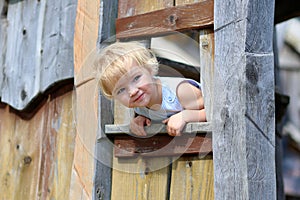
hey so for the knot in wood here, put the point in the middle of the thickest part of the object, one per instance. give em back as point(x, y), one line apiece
point(23, 95)
point(24, 31)
point(27, 160)
point(172, 19)
point(100, 194)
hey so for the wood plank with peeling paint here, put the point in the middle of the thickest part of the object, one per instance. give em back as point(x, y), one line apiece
point(37, 153)
point(39, 50)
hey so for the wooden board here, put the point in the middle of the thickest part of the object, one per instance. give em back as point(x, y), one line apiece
point(137, 179)
point(183, 2)
point(190, 128)
point(56, 165)
point(136, 7)
point(206, 46)
point(3, 38)
point(85, 43)
point(39, 50)
point(192, 178)
point(8, 150)
point(244, 114)
point(166, 20)
point(37, 154)
point(162, 145)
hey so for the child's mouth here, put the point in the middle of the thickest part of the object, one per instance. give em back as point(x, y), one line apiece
point(140, 97)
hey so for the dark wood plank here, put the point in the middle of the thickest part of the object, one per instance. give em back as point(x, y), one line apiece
point(244, 104)
point(179, 18)
point(162, 145)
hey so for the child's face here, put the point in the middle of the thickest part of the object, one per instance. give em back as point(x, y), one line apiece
point(135, 88)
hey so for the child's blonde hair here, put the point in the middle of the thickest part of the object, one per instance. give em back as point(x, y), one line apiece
point(112, 60)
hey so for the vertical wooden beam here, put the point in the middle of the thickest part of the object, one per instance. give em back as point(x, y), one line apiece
point(85, 40)
point(3, 39)
point(103, 150)
point(206, 41)
point(244, 110)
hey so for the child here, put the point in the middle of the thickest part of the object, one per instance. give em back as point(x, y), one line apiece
point(127, 74)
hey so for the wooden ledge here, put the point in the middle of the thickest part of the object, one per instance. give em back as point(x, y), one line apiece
point(162, 145)
point(177, 18)
point(190, 128)
point(196, 139)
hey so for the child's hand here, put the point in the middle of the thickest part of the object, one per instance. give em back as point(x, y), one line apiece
point(137, 125)
point(175, 124)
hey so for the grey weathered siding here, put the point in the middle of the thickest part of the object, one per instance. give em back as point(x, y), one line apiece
point(243, 114)
point(39, 51)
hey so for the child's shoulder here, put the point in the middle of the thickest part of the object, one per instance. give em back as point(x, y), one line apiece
point(174, 82)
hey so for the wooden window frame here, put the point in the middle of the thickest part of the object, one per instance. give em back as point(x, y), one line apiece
point(170, 20)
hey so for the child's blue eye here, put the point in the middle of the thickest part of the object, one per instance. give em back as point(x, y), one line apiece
point(136, 78)
point(120, 91)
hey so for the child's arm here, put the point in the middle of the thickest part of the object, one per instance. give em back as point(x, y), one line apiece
point(191, 99)
point(137, 125)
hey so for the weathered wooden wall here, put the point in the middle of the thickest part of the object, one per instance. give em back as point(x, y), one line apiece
point(85, 41)
point(244, 107)
point(36, 154)
point(36, 48)
point(37, 138)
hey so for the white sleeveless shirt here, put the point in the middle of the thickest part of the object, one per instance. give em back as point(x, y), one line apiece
point(170, 103)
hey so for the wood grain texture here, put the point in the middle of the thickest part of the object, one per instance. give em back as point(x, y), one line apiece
point(61, 125)
point(39, 49)
point(136, 7)
point(37, 159)
point(85, 41)
point(162, 145)
point(3, 39)
point(86, 35)
point(84, 154)
point(192, 178)
point(166, 20)
point(8, 152)
point(243, 109)
point(183, 2)
point(137, 179)
point(206, 46)
point(190, 128)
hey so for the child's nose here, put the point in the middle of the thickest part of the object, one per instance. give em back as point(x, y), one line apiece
point(133, 91)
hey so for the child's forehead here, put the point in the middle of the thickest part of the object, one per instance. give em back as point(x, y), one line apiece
point(133, 70)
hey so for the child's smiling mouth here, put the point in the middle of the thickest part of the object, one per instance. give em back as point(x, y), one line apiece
point(139, 98)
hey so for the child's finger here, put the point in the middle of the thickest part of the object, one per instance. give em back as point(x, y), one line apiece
point(148, 122)
point(165, 121)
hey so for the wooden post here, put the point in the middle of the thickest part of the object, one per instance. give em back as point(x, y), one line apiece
point(244, 110)
point(103, 151)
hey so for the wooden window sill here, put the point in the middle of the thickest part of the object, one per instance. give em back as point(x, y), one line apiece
point(196, 139)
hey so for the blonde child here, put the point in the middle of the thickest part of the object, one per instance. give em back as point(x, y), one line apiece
point(127, 74)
